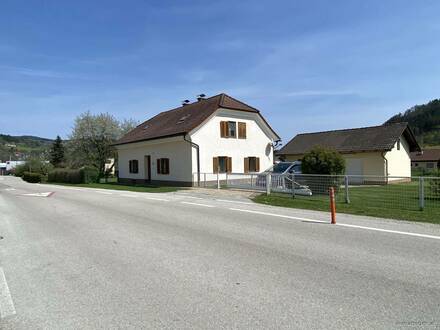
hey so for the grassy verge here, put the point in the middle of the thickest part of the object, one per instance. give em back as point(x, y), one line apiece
point(398, 201)
point(117, 186)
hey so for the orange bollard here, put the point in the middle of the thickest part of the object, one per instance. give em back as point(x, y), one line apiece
point(332, 205)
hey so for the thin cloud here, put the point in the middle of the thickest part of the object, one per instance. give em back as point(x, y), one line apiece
point(42, 73)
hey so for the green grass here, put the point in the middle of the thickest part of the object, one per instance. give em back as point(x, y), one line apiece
point(117, 186)
point(394, 201)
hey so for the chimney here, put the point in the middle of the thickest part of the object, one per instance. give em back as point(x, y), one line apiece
point(201, 97)
point(185, 102)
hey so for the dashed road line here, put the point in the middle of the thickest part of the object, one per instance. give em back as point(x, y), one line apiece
point(156, 199)
point(236, 202)
point(6, 304)
point(104, 192)
point(127, 195)
point(197, 204)
point(278, 215)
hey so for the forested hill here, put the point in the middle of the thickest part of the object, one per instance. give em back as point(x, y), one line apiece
point(424, 121)
point(23, 147)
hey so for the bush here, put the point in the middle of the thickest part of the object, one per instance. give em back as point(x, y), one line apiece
point(321, 160)
point(62, 175)
point(32, 177)
point(434, 185)
point(34, 166)
point(89, 174)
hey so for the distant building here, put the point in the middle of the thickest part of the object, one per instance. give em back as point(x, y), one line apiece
point(2, 168)
point(382, 151)
point(427, 159)
point(12, 164)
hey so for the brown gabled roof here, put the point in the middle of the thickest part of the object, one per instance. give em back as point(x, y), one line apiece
point(376, 138)
point(427, 155)
point(182, 120)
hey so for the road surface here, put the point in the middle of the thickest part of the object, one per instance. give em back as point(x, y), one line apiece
point(79, 258)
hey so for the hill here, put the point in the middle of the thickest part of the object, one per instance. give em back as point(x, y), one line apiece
point(23, 147)
point(424, 120)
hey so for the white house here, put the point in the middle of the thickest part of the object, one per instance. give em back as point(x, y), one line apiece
point(177, 147)
point(382, 151)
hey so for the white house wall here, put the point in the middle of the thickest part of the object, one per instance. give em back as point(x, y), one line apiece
point(258, 142)
point(399, 161)
point(175, 149)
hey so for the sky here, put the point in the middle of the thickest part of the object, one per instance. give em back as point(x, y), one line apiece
point(306, 65)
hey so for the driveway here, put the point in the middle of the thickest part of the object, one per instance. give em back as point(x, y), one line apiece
point(79, 258)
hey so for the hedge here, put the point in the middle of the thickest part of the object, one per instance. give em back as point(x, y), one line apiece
point(85, 174)
point(62, 175)
point(31, 177)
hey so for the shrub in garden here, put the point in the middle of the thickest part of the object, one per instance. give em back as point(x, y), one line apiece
point(31, 177)
point(328, 163)
point(434, 185)
point(89, 174)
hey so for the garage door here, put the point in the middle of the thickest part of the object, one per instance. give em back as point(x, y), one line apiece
point(353, 166)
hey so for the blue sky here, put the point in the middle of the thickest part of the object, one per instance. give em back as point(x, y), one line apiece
point(307, 65)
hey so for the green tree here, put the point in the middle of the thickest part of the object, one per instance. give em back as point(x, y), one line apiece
point(92, 138)
point(56, 153)
point(322, 160)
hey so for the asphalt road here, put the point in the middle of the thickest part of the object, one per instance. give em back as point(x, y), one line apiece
point(88, 258)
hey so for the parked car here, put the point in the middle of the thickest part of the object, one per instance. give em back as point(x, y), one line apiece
point(281, 177)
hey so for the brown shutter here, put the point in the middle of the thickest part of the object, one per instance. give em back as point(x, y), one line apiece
point(223, 129)
point(257, 164)
point(215, 165)
point(241, 130)
point(167, 166)
point(229, 165)
point(158, 166)
point(246, 165)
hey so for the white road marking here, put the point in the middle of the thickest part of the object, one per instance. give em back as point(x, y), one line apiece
point(237, 202)
point(156, 199)
point(389, 231)
point(127, 195)
point(9, 189)
point(197, 204)
point(6, 304)
point(193, 197)
point(278, 215)
point(41, 194)
point(341, 224)
point(104, 192)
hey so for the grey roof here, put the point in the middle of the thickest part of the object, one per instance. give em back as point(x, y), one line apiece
point(365, 139)
point(184, 119)
point(426, 155)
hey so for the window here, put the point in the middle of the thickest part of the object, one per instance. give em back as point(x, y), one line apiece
point(133, 166)
point(429, 165)
point(228, 129)
point(222, 164)
point(398, 144)
point(251, 164)
point(163, 166)
point(241, 130)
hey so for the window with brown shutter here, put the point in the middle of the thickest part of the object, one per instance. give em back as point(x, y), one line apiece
point(252, 164)
point(241, 130)
point(222, 164)
point(133, 166)
point(163, 166)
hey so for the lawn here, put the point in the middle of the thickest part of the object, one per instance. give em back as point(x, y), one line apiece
point(117, 186)
point(395, 201)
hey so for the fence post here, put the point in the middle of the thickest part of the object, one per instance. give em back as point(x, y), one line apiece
point(332, 205)
point(347, 196)
point(226, 183)
point(218, 181)
point(422, 193)
point(293, 184)
point(204, 180)
point(268, 183)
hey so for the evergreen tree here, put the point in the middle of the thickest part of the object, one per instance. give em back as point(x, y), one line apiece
point(57, 152)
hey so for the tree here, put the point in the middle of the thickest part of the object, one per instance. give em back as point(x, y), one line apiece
point(56, 153)
point(322, 160)
point(92, 138)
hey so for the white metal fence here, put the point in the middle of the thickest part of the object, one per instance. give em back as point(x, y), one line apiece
point(407, 193)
